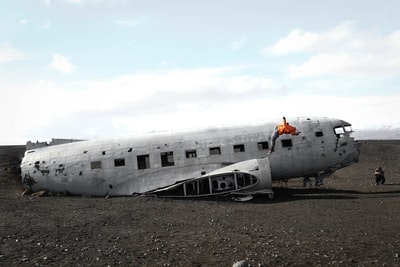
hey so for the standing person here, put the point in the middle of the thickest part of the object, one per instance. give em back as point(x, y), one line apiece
point(280, 129)
point(379, 176)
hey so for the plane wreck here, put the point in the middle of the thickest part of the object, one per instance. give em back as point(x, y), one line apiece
point(220, 161)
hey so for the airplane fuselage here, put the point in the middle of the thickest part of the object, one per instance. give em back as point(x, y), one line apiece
point(141, 164)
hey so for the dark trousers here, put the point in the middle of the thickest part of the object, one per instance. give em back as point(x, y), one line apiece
point(379, 178)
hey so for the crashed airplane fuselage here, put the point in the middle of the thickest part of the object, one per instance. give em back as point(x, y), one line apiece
point(217, 161)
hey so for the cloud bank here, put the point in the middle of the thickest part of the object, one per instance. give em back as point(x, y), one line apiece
point(341, 50)
point(9, 53)
point(61, 64)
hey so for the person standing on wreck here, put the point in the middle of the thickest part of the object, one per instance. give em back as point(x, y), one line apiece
point(280, 129)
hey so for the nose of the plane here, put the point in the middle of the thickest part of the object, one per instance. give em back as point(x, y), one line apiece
point(356, 150)
point(355, 153)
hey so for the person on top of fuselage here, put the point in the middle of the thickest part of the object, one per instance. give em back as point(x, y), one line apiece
point(280, 129)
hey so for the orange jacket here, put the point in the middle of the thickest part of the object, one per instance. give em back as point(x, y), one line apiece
point(285, 128)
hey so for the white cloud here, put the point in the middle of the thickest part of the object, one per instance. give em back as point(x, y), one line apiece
point(364, 112)
point(8, 53)
point(324, 64)
point(237, 44)
point(173, 100)
point(180, 86)
point(62, 64)
point(140, 102)
point(340, 37)
point(340, 50)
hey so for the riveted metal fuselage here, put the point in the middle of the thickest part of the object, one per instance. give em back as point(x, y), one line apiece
point(140, 164)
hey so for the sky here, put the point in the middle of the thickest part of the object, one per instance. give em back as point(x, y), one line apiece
point(90, 69)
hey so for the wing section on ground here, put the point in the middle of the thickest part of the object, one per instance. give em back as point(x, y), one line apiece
point(245, 177)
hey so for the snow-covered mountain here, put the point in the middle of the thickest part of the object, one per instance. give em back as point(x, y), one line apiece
point(387, 132)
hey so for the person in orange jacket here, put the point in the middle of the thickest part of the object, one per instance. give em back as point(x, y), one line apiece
point(280, 129)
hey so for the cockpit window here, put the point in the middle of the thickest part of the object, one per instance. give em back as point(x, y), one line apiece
point(348, 129)
point(340, 131)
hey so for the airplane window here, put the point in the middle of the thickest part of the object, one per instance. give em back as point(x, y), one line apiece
point(262, 145)
point(348, 129)
point(238, 148)
point(339, 131)
point(215, 150)
point(143, 162)
point(95, 165)
point(119, 162)
point(167, 159)
point(191, 154)
point(287, 143)
point(319, 134)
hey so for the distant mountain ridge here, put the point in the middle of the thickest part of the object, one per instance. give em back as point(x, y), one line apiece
point(386, 132)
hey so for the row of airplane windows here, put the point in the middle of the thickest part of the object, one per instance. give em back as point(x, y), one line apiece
point(167, 158)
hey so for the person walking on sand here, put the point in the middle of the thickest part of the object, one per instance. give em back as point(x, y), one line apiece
point(379, 176)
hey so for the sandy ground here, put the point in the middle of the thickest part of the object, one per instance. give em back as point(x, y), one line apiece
point(347, 222)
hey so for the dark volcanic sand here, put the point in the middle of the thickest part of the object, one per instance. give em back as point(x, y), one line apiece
point(347, 222)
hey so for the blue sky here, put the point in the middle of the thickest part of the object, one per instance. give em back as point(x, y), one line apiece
point(108, 68)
